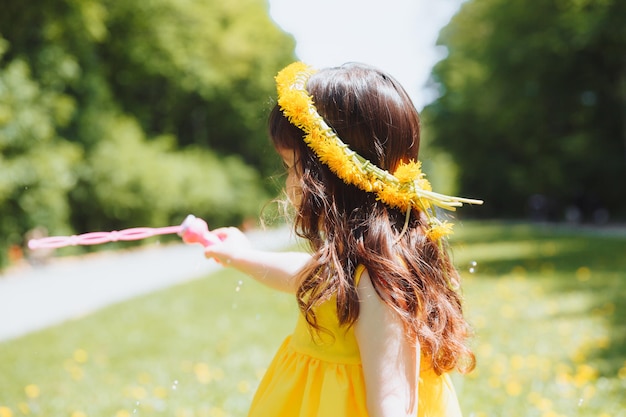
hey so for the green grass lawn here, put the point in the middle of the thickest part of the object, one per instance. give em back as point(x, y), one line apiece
point(548, 306)
point(549, 309)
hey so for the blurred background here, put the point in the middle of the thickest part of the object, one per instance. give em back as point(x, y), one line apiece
point(116, 114)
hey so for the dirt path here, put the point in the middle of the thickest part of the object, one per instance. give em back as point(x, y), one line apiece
point(32, 298)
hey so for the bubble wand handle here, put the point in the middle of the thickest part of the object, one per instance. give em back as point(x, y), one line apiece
point(195, 230)
point(192, 230)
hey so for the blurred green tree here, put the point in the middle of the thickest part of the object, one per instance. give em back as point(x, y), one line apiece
point(116, 113)
point(36, 166)
point(532, 105)
point(200, 70)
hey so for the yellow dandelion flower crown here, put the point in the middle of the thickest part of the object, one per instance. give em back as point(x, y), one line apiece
point(405, 189)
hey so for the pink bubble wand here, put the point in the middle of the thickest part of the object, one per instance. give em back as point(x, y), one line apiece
point(192, 230)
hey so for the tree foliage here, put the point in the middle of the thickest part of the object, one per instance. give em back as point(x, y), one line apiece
point(117, 113)
point(36, 166)
point(532, 103)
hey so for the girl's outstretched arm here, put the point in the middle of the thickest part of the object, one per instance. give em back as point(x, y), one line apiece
point(274, 269)
point(390, 361)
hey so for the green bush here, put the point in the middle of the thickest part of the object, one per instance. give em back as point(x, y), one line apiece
point(37, 167)
point(149, 182)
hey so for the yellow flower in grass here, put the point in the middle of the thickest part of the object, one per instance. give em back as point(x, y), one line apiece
point(583, 273)
point(144, 378)
point(24, 408)
point(203, 373)
point(76, 372)
point(494, 381)
point(517, 362)
point(80, 356)
point(513, 388)
point(32, 391)
point(5, 411)
point(534, 397)
point(217, 412)
point(243, 386)
point(184, 412)
point(544, 404)
point(585, 374)
point(135, 392)
point(160, 392)
point(589, 392)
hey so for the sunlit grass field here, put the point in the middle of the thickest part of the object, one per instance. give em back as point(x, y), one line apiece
point(548, 306)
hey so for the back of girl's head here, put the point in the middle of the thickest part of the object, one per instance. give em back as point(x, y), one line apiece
point(370, 111)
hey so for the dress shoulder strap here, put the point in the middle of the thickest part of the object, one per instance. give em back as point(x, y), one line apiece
point(357, 274)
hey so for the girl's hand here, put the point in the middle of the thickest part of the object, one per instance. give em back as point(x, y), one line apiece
point(274, 269)
point(233, 243)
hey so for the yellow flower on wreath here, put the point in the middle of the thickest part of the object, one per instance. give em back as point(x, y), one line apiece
point(410, 171)
point(439, 230)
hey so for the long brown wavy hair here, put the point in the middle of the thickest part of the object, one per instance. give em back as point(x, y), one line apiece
point(345, 227)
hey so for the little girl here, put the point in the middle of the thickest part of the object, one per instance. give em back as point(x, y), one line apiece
point(381, 322)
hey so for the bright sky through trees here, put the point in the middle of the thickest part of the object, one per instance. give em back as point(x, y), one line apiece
point(397, 36)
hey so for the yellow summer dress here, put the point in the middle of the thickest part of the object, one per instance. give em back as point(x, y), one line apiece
point(323, 377)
